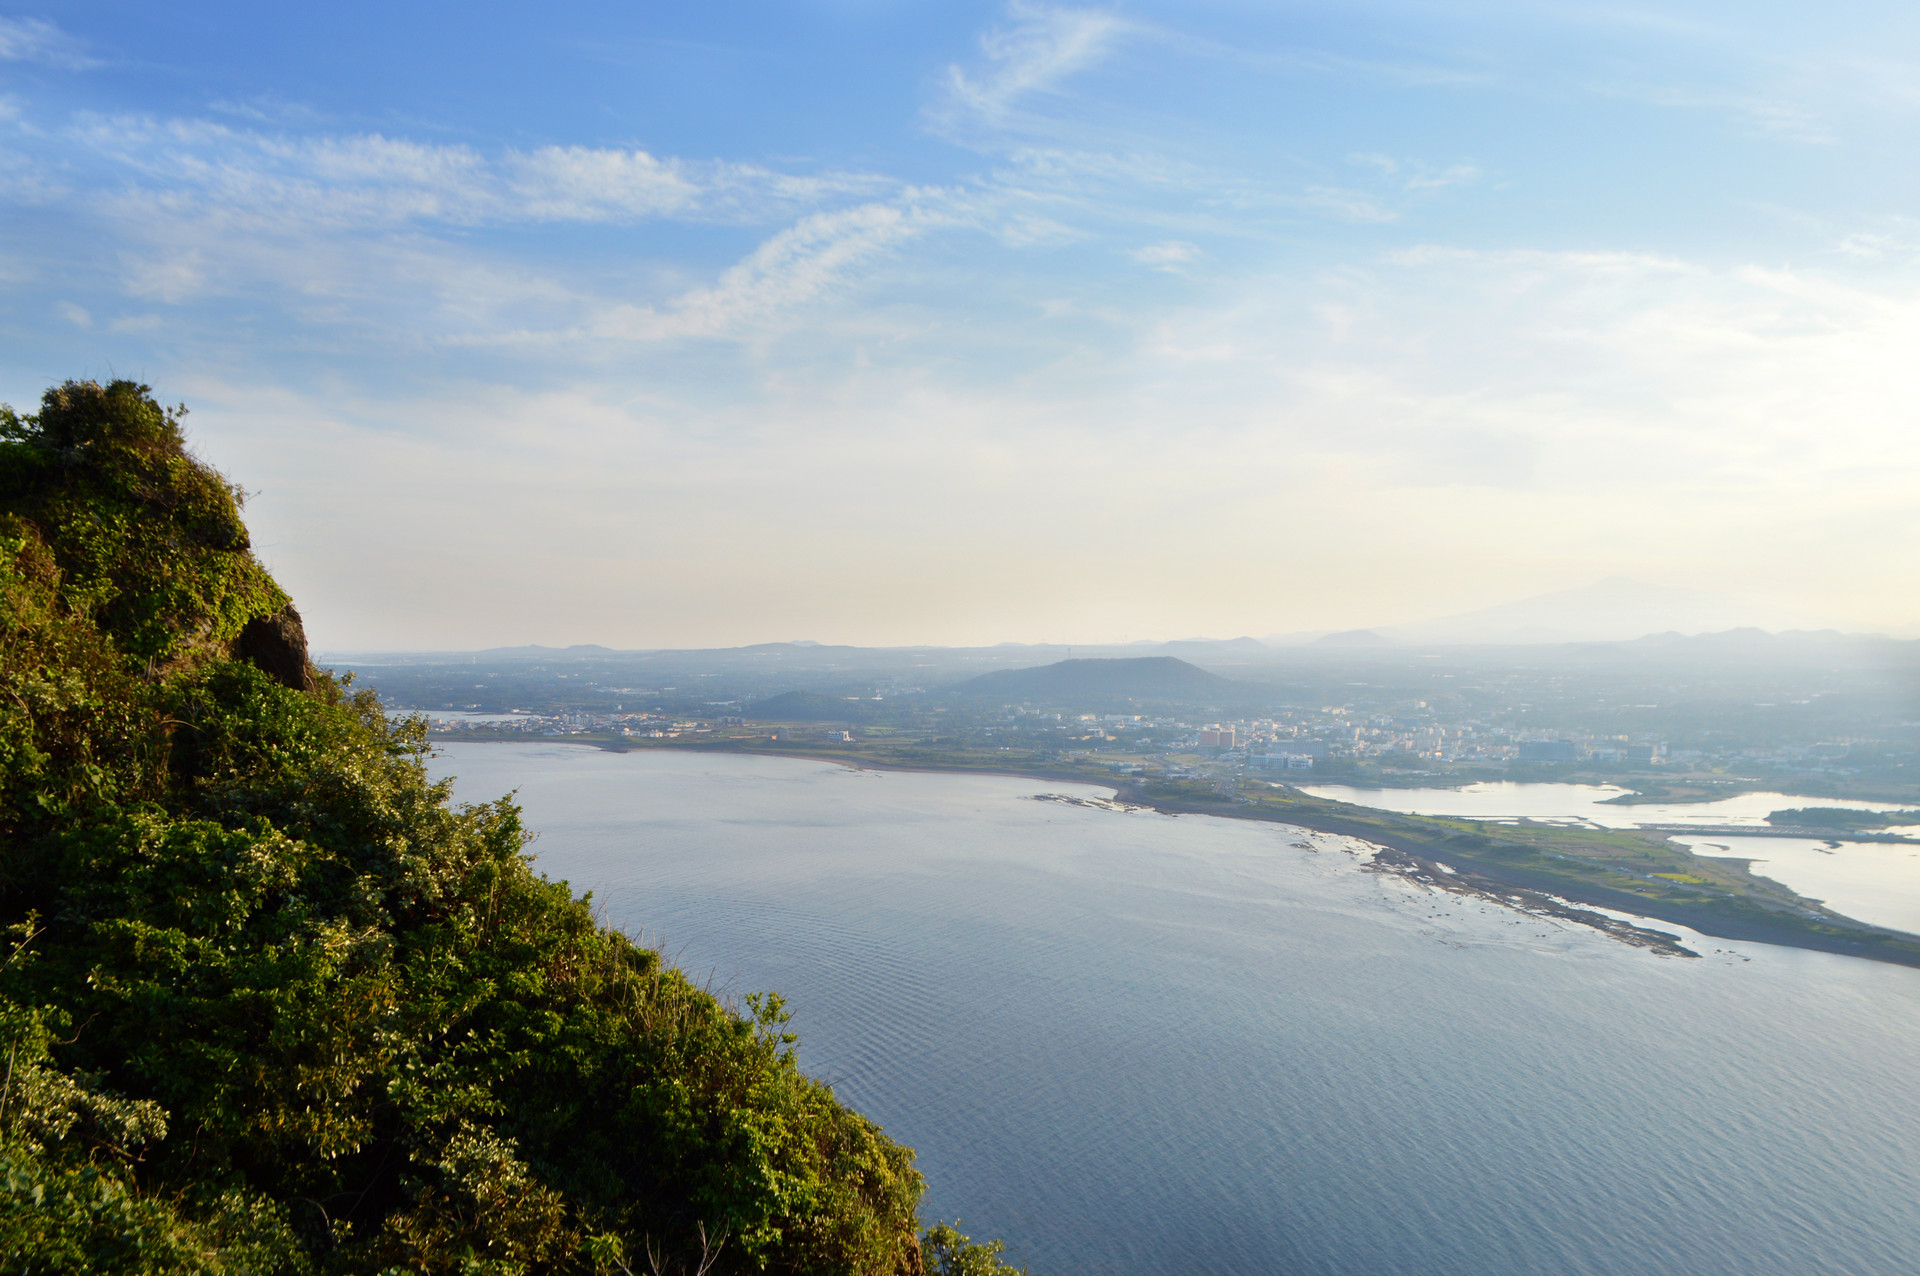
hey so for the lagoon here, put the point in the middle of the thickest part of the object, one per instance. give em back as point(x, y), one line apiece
point(1134, 1043)
point(1874, 882)
point(1582, 803)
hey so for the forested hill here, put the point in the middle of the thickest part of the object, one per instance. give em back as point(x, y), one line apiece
point(269, 1002)
point(1142, 678)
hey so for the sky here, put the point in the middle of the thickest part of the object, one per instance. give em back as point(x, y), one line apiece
point(661, 325)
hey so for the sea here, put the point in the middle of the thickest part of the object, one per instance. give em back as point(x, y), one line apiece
point(1133, 1043)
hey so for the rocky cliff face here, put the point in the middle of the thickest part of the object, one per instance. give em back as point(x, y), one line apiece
point(277, 645)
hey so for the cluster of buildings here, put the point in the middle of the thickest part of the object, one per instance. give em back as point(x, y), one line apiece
point(1292, 741)
point(638, 725)
point(1300, 740)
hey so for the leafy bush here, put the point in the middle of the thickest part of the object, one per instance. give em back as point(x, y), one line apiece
point(947, 1253)
point(275, 1004)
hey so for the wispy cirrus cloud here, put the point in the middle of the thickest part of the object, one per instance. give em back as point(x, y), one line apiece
point(798, 266)
point(371, 179)
point(1171, 254)
point(368, 233)
point(1041, 47)
point(1346, 204)
point(1440, 406)
point(1125, 192)
point(1893, 240)
point(1413, 175)
point(40, 40)
point(1452, 175)
point(1168, 235)
point(1774, 114)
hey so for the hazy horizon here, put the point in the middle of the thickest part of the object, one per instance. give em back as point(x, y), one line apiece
point(889, 325)
point(1408, 638)
point(1612, 610)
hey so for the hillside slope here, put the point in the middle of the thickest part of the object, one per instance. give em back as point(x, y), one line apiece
point(271, 1003)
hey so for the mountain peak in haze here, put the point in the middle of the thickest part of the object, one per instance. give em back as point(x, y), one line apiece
point(1611, 610)
point(1353, 638)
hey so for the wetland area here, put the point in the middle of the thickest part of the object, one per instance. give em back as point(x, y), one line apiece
point(1877, 882)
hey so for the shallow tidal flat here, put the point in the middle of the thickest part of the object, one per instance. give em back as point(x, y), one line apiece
point(1873, 882)
point(1136, 1043)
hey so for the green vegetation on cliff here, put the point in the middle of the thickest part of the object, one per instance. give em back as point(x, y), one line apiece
point(271, 1003)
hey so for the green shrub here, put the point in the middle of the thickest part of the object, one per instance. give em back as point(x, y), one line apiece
point(277, 1005)
point(946, 1252)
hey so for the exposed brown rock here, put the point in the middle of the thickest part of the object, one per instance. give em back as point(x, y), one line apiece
point(277, 645)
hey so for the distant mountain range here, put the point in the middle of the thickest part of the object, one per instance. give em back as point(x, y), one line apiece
point(1612, 610)
point(1615, 610)
point(1136, 678)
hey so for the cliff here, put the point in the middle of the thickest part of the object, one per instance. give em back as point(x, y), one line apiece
point(270, 1002)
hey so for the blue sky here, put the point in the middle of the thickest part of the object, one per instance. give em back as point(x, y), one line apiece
point(698, 324)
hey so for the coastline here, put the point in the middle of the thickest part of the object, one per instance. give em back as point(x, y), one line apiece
point(1436, 851)
point(1548, 869)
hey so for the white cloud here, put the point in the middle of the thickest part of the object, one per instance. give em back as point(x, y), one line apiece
point(1017, 229)
point(791, 269)
point(365, 231)
point(1514, 415)
point(1759, 112)
point(1900, 244)
point(246, 177)
point(265, 108)
point(1041, 48)
point(1348, 205)
point(840, 351)
point(1170, 254)
point(577, 183)
point(1403, 429)
point(1411, 176)
point(39, 40)
point(1455, 175)
point(75, 315)
point(1865, 245)
point(171, 277)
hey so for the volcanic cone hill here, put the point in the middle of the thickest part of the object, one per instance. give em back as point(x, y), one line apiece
point(269, 1002)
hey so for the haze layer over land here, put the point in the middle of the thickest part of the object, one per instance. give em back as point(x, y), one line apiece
point(716, 325)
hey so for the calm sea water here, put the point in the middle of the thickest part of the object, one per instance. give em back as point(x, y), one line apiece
point(1877, 882)
point(1132, 1043)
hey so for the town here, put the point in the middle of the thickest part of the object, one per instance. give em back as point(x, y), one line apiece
point(1782, 721)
